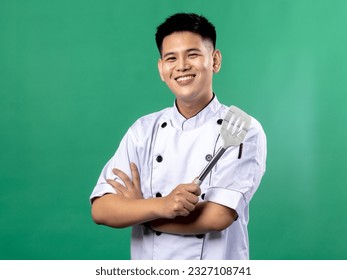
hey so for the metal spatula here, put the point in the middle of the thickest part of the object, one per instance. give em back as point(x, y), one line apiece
point(234, 129)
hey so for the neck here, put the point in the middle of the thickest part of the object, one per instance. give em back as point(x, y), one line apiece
point(190, 109)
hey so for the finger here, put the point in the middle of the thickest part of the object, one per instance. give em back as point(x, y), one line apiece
point(117, 186)
point(188, 196)
point(123, 176)
point(184, 212)
point(192, 198)
point(180, 210)
point(193, 188)
point(188, 206)
point(136, 176)
point(197, 190)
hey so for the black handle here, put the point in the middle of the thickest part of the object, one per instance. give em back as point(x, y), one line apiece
point(210, 165)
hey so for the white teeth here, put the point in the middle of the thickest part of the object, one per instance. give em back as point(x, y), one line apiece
point(185, 78)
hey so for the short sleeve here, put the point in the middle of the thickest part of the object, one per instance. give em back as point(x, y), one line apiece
point(125, 154)
point(238, 173)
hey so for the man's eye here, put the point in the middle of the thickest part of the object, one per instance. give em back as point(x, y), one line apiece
point(192, 55)
point(170, 59)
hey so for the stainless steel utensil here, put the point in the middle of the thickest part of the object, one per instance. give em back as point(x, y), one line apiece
point(234, 128)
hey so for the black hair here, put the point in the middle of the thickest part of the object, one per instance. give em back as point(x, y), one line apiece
point(186, 22)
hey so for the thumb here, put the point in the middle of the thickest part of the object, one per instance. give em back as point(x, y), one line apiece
point(197, 181)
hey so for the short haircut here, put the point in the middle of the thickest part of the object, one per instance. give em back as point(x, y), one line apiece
point(186, 22)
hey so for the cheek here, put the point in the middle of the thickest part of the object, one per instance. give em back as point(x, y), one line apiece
point(208, 65)
point(206, 69)
point(205, 65)
point(167, 72)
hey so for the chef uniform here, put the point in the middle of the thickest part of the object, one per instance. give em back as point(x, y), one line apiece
point(169, 150)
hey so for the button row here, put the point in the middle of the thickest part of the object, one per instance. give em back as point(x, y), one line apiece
point(158, 194)
point(164, 124)
point(159, 158)
point(199, 236)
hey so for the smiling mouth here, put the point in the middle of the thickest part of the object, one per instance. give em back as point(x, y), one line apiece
point(185, 78)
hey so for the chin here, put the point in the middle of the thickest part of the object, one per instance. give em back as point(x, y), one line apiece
point(185, 94)
point(186, 97)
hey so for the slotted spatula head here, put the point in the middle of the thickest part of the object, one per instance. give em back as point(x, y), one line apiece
point(234, 127)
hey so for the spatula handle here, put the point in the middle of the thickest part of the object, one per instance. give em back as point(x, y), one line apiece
point(209, 166)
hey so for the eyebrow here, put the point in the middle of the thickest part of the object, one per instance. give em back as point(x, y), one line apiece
point(188, 50)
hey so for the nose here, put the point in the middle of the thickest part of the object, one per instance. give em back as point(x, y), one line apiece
point(182, 64)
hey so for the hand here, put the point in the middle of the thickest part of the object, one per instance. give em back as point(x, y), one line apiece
point(181, 201)
point(132, 188)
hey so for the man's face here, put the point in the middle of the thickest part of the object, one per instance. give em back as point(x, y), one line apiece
point(187, 65)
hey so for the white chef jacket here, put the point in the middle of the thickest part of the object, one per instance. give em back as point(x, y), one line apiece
point(169, 150)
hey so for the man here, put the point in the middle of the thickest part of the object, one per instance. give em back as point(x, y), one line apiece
point(147, 183)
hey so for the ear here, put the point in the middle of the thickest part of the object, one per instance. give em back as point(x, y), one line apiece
point(160, 66)
point(217, 61)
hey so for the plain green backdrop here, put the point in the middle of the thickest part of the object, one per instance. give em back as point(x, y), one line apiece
point(75, 74)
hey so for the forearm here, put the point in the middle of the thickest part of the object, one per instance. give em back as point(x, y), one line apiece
point(127, 209)
point(119, 212)
point(206, 217)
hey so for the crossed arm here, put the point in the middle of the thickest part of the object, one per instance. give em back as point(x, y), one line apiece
point(177, 213)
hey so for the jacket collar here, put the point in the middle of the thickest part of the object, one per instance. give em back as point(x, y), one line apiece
point(199, 119)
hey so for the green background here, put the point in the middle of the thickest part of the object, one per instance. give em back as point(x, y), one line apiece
point(75, 74)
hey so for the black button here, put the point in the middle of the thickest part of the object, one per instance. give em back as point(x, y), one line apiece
point(158, 233)
point(208, 157)
point(163, 124)
point(159, 158)
point(158, 194)
point(199, 236)
point(220, 121)
point(203, 196)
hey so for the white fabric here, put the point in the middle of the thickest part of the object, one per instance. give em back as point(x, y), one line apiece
point(183, 145)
